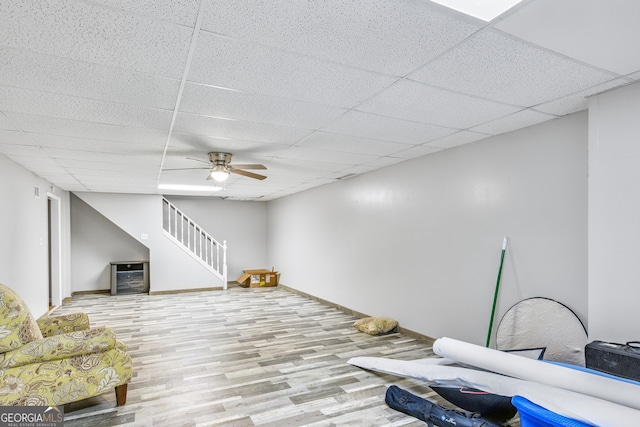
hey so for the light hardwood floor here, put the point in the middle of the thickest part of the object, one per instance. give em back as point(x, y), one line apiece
point(244, 357)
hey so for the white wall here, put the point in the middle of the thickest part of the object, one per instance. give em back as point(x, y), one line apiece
point(170, 268)
point(23, 239)
point(614, 215)
point(96, 242)
point(242, 224)
point(420, 241)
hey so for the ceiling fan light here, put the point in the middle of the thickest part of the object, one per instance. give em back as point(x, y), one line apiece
point(219, 173)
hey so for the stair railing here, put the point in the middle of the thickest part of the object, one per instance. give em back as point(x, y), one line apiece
point(194, 240)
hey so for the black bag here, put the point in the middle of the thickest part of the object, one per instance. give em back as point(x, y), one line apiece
point(622, 360)
point(433, 414)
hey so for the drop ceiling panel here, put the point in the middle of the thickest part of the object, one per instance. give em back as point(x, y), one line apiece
point(87, 32)
point(122, 178)
point(315, 91)
point(225, 103)
point(352, 144)
point(74, 108)
point(100, 167)
point(183, 12)
point(417, 151)
point(255, 68)
point(386, 36)
point(6, 122)
point(301, 161)
point(82, 129)
point(457, 139)
point(70, 158)
point(421, 103)
point(183, 144)
point(381, 162)
point(578, 101)
point(95, 146)
point(82, 79)
point(493, 66)
point(518, 120)
point(357, 123)
point(236, 129)
point(600, 33)
point(18, 149)
point(328, 156)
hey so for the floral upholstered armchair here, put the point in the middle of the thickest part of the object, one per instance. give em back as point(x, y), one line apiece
point(56, 360)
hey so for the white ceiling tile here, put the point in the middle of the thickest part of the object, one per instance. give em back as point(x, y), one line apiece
point(13, 137)
point(121, 177)
point(326, 156)
point(90, 33)
point(183, 12)
point(351, 144)
point(21, 149)
point(417, 151)
point(80, 129)
point(518, 120)
point(601, 33)
point(388, 36)
point(301, 161)
point(356, 170)
point(82, 79)
point(236, 129)
point(130, 158)
point(577, 101)
point(35, 162)
point(381, 162)
point(296, 171)
point(94, 145)
point(6, 123)
point(124, 188)
point(493, 66)
point(189, 145)
point(309, 89)
point(418, 102)
point(225, 103)
point(66, 107)
point(365, 125)
point(114, 165)
point(250, 67)
point(458, 138)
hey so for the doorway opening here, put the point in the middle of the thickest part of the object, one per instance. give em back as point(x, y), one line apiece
point(54, 250)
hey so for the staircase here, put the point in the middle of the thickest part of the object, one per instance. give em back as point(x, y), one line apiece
point(188, 235)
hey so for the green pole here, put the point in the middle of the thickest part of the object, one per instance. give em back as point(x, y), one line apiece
point(495, 295)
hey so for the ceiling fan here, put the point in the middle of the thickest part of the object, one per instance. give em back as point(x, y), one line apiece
point(220, 167)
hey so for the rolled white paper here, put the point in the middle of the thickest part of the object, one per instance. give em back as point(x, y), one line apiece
point(621, 392)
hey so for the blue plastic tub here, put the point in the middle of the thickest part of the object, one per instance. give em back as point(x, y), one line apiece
point(532, 415)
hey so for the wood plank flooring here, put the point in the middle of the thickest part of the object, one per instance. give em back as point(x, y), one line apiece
point(244, 357)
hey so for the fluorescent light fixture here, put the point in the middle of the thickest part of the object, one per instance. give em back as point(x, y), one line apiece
point(182, 187)
point(482, 9)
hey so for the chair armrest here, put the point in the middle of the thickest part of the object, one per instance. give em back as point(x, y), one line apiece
point(55, 325)
point(64, 346)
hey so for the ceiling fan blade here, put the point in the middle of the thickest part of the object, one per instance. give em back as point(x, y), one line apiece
point(247, 174)
point(248, 166)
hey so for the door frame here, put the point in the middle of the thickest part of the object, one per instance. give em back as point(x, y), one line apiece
point(55, 248)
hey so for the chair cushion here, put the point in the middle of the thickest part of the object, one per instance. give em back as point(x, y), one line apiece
point(17, 325)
